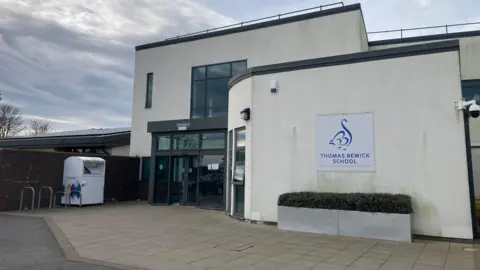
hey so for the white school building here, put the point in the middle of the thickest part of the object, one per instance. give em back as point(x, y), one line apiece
point(230, 119)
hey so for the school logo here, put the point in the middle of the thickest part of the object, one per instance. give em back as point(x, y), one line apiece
point(343, 138)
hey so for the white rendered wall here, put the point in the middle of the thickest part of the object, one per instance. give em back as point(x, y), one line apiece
point(171, 65)
point(470, 70)
point(469, 55)
point(123, 150)
point(240, 98)
point(419, 137)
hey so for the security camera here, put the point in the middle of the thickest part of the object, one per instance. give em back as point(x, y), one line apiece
point(474, 110)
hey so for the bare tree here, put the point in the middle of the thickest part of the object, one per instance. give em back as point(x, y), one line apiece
point(40, 127)
point(11, 122)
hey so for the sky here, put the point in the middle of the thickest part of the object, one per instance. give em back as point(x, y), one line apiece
point(71, 61)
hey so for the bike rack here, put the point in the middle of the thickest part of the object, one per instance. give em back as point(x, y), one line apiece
point(40, 196)
point(70, 198)
point(55, 198)
point(33, 198)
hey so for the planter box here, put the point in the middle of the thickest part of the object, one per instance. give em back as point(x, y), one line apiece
point(394, 227)
point(321, 221)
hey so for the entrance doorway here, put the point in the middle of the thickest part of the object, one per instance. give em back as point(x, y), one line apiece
point(189, 169)
point(184, 180)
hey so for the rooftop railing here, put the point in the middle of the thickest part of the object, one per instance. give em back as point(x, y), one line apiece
point(372, 36)
point(423, 31)
point(270, 18)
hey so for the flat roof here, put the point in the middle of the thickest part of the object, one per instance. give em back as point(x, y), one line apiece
point(244, 27)
point(103, 137)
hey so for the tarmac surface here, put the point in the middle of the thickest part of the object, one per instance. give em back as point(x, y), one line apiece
point(28, 243)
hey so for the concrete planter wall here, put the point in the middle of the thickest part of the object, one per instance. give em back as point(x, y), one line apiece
point(394, 227)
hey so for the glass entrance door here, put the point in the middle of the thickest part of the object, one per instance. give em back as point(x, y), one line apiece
point(183, 188)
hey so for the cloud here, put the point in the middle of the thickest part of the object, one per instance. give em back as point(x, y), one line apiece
point(72, 61)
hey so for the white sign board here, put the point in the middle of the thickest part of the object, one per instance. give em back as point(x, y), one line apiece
point(345, 143)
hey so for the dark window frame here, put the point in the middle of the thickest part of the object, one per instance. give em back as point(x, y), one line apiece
point(205, 80)
point(149, 91)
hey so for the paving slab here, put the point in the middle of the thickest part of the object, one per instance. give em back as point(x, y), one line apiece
point(141, 236)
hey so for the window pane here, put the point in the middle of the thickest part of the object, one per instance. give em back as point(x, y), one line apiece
point(199, 73)
point(145, 168)
point(238, 67)
point(163, 142)
point(213, 141)
point(148, 97)
point(217, 93)
point(187, 141)
point(239, 173)
point(161, 180)
point(218, 71)
point(198, 113)
point(198, 95)
point(211, 181)
point(217, 111)
point(240, 138)
point(471, 90)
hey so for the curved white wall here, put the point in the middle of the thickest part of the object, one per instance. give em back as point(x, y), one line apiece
point(239, 98)
point(419, 136)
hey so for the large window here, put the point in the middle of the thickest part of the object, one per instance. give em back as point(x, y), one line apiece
point(210, 88)
point(148, 94)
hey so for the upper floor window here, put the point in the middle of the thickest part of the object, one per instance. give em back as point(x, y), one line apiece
point(148, 96)
point(210, 88)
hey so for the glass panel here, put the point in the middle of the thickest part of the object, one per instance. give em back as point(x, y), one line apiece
point(240, 138)
point(217, 111)
point(239, 173)
point(211, 183)
point(199, 73)
point(145, 168)
point(178, 180)
point(218, 71)
point(217, 93)
point(163, 142)
point(185, 141)
point(198, 113)
point(239, 203)
point(471, 90)
point(198, 95)
point(161, 180)
point(213, 140)
point(192, 174)
point(229, 175)
point(238, 67)
point(148, 98)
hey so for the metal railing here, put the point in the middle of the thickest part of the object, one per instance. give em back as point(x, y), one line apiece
point(49, 197)
point(33, 198)
point(444, 29)
point(68, 198)
point(269, 18)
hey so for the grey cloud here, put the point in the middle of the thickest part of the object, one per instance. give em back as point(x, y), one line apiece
point(83, 79)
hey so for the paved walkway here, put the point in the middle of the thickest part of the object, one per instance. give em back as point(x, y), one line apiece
point(28, 243)
point(156, 237)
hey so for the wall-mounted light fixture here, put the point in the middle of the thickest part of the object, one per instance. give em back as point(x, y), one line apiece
point(245, 114)
point(273, 86)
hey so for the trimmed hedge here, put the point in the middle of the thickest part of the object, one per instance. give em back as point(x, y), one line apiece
point(364, 202)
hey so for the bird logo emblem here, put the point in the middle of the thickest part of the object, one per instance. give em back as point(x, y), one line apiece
point(343, 138)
